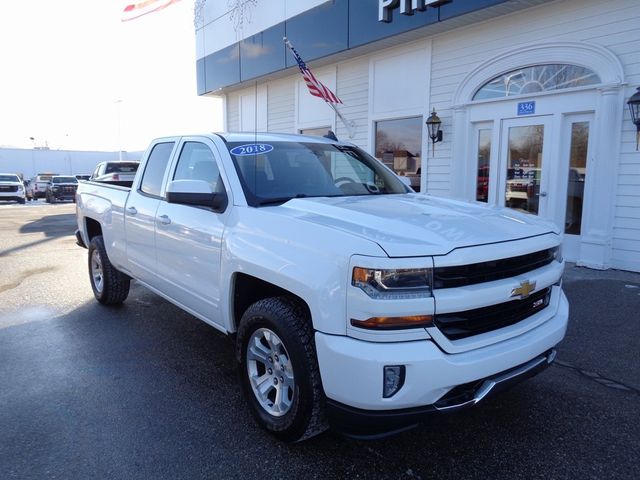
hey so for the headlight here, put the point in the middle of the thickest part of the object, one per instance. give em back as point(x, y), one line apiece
point(557, 253)
point(401, 283)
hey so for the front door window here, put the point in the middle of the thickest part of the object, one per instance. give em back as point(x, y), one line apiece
point(524, 167)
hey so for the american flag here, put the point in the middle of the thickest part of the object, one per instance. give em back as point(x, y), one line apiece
point(139, 9)
point(315, 86)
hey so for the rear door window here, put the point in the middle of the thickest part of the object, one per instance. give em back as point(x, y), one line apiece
point(155, 168)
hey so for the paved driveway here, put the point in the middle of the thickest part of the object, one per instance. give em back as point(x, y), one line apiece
point(147, 391)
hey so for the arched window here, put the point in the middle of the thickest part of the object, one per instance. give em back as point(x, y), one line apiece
point(536, 79)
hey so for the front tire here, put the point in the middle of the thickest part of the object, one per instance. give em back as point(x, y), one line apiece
point(278, 369)
point(110, 287)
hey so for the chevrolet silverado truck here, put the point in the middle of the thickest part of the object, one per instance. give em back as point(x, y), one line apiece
point(61, 188)
point(353, 302)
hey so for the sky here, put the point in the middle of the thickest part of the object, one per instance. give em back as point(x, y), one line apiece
point(65, 64)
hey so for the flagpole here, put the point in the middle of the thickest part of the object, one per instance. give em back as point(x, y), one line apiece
point(350, 125)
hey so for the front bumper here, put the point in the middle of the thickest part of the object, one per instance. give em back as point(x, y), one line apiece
point(372, 424)
point(12, 196)
point(352, 373)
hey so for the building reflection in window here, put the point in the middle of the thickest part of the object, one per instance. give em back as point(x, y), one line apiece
point(524, 167)
point(484, 159)
point(399, 145)
point(577, 174)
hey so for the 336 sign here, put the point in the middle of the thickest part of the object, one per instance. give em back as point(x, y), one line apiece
point(526, 108)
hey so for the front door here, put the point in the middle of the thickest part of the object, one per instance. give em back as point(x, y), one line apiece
point(524, 165)
point(189, 238)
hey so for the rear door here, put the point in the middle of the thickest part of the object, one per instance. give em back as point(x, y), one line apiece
point(189, 238)
point(140, 212)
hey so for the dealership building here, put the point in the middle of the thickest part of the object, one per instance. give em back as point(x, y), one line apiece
point(531, 94)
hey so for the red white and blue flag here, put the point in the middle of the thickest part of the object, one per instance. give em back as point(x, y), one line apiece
point(139, 9)
point(315, 86)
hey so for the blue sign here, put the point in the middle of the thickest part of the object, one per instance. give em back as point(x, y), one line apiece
point(526, 108)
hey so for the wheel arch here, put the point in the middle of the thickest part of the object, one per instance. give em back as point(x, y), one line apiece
point(247, 289)
point(92, 228)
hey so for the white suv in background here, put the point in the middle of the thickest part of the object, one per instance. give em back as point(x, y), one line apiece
point(11, 188)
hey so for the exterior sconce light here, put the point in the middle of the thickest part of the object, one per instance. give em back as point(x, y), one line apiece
point(634, 108)
point(433, 127)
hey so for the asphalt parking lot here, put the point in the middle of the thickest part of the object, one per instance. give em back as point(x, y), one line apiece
point(147, 391)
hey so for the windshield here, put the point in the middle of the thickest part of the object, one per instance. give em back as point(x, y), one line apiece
point(9, 178)
point(64, 180)
point(285, 170)
point(121, 167)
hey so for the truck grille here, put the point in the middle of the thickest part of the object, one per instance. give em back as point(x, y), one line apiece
point(459, 325)
point(459, 276)
point(8, 188)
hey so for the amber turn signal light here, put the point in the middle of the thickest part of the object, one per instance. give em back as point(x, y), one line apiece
point(384, 323)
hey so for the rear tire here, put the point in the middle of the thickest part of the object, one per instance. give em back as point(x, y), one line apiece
point(21, 201)
point(110, 287)
point(278, 369)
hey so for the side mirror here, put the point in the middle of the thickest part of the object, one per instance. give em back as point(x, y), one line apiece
point(197, 193)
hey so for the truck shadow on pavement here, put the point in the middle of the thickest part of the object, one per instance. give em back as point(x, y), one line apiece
point(51, 226)
point(148, 391)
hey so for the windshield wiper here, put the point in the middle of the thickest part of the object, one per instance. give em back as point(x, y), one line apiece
point(273, 201)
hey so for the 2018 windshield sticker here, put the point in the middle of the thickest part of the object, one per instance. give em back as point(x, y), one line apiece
point(251, 149)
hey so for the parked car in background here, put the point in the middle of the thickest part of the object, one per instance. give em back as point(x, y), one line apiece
point(83, 176)
point(38, 185)
point(119, 173)
point(61, 188)
point(11, 188)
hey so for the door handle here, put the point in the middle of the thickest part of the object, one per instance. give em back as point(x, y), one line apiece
point(543, 194)
point(132, 211)
point(164, 219)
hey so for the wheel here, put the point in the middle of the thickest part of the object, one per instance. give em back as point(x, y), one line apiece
point(47, 198)
point(21, 201)
point(52, 199)
point(110, 287)
point(278, 369)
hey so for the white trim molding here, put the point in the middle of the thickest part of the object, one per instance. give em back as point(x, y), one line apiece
point(583, 54)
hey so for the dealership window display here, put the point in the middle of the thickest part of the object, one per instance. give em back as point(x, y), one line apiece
point(399, 146)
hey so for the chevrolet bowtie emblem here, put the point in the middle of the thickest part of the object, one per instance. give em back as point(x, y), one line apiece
point(524, 290)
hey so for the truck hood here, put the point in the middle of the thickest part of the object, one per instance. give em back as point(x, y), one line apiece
point(410, 225)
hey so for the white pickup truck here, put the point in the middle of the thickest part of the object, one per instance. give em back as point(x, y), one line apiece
point(354, 302)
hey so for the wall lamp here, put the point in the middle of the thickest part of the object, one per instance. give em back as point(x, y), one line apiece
point(634, 108)
point(433, 127)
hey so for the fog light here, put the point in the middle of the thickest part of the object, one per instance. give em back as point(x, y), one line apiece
point(393, 380)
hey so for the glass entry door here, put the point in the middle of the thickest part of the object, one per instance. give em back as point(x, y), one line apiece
point(524, 167)
point(575, 144)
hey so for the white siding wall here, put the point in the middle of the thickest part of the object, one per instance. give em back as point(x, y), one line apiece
point(281, 105)
point(233, 112)
point(458, 52)
point(353, 90)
